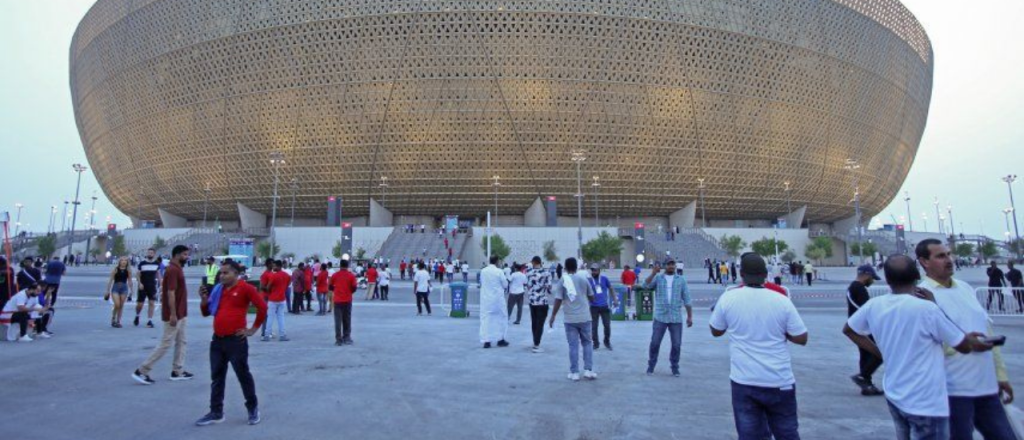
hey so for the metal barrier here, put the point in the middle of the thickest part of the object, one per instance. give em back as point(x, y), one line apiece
point(1001, 301)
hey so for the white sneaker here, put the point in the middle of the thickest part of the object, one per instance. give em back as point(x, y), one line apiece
point(44, 335)
point(575, 377)
point(538, 350)
point(26, 338)
point(587, 374)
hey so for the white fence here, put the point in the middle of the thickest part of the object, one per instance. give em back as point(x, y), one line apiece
point(997, 301)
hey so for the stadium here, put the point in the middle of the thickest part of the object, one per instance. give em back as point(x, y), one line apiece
point(729, 111)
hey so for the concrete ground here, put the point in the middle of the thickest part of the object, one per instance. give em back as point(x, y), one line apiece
point(415, 377)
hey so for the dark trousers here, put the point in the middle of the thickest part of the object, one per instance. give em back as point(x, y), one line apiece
point(384, 290)
point(309, 301)
point(675, 332)
point(759, 410)
point(21, 318)
point(538, 314)
point(868, 364)
point(810, 276)
point(297, 298)
point(516, 300)
point(1018, 294)
point(233, 350)
point(605, 314)
point(422, 299)
point(342, 321)
point(995, 292)
point(43, 322)
point(984, 413)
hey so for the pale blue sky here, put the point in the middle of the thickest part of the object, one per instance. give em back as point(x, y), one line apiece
point(975, 129)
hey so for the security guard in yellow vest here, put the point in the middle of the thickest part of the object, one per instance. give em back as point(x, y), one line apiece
point(211, 272)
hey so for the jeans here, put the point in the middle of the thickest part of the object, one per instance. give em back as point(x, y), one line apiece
point(422, 298)
point(384, 290)
point(911, 427)
point(605, 315)
point(342, 321)
point(984, 413)
point(754, 407)
point(538, 314)
point(288, 299)
point(516, 299)
point(465, 277)
point(675, 331)
point(233, 350)
point(276, 312)
point(297, 302)
point(171, 335)
point(997, 293)
point(321, 302)
point(576, 334)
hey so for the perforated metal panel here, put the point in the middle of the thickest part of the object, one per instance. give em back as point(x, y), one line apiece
point(441, 95)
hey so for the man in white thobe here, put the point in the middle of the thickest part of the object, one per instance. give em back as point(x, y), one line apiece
point(493, 322)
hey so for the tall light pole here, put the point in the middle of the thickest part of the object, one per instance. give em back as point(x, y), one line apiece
point(496, 185)
point(276, 159)
point(910, 218)
point(1006, 216)
point(578, 156)
point(17, 221)
point(938, 216)
point(294, 185)
point(92, 218)
point(700, 187)
point(852, 166)
point(79, 168)
point(597, 188)
point(383, 191)
point(206, 202)
point(952, 229)
point(64, 218)
point(1009, 186)
point(924, 217)
point(53, 215)
point(789, 200)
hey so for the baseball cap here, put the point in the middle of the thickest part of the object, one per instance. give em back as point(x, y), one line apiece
point(595, 266)
point(869, 270)
point(753, 268)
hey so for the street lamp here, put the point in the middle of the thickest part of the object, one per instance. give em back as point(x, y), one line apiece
point(79, 168)
point(294, 185)
point(92, 219)
point(276, 159)
point(53, 214)
point(924, 216)
point(64, 218)
point(938, 216)
point(852, 166)
point(383, 191)
point(952, 229)
point(206, 202)
point(910, 218)
point(789, 201)
point(1009, 186)
point(578, 156)
point(1006, 216)
point(597, 188)
point(700, 187)
point(496, 184)
point(17, 221)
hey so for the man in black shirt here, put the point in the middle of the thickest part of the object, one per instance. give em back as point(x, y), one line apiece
point(995, 282)
point(1013, 275)
point(856, 295)
point(148, 284)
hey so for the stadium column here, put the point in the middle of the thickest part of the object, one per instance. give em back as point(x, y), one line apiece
point(684, 218)
point(250, 219)
point(172, 221)
point(536, 215)
point(379, 215)
point(796, 218)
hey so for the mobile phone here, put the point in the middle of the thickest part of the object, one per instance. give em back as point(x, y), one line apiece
point(995, 340)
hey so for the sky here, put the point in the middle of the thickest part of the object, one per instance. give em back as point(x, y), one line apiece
point(975, 132)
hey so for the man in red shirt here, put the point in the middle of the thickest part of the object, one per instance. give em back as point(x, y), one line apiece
point(371, 282)
point(174, 300)
point(266, 282)
point(277, 302)
point(321, 289)
point(628, 280)
point(308, 292)
point(401, 268)
point(343, 284)
point(230, 339)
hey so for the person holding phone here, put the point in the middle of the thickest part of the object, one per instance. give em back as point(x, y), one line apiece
point(671, 295)
point(977, 382)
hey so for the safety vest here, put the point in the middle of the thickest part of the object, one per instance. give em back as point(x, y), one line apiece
point(211, 273)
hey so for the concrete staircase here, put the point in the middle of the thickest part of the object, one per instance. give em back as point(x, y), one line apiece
point(691, 247)
point(409, 245)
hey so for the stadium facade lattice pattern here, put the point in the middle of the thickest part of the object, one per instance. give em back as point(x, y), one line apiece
point(440, 95)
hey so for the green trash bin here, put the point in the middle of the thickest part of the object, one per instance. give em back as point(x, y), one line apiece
point(460, 296)
point(644, 304)
point(619, 311)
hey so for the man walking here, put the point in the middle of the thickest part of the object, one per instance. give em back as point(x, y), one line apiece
point(538, 282)
point(298, 282)
point(149, 285)
point(277, 302)
point(996, 282)
point(516, 293)
point(600, 305)
point(856, 296)
point(421, 287)
point(671, 294)
point(575, 293)
point(977, 382)
point(759, 323)
point(371, 282)
point(228, 302)
point(493, 319)
point(1016, 280)
point(344, 285)
point(55, 270)
point(174, 312)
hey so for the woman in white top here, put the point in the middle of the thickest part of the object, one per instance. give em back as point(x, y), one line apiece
point(384, 282)
point(516, 292)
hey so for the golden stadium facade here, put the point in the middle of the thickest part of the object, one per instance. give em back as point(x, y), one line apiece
point(439, 96)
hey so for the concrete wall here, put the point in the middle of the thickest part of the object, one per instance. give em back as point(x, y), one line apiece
point(305, 242)
point(148, 235)
point(527, 242)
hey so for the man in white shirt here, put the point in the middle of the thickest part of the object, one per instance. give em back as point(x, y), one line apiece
point(493, 320)
point(516, 292)
point(20, 308)
point(421, 285)
point(909, 332)
point(384, 282)
point(975, 381)
point(759, 323)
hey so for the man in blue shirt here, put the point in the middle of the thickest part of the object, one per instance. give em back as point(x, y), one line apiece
point(671, 294)
point(600, 306)
point(54, 271)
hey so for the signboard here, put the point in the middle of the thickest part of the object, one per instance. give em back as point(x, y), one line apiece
point(782, 223)
point(619, 311)
point(148, 224)
point(644, 304)
point(551, 206)
point(451, 222)
point(346, 240)
point(242, 246)
point(334, 211)
point(638, 239)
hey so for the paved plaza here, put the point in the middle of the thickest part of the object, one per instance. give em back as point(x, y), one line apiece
point(415, 377)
